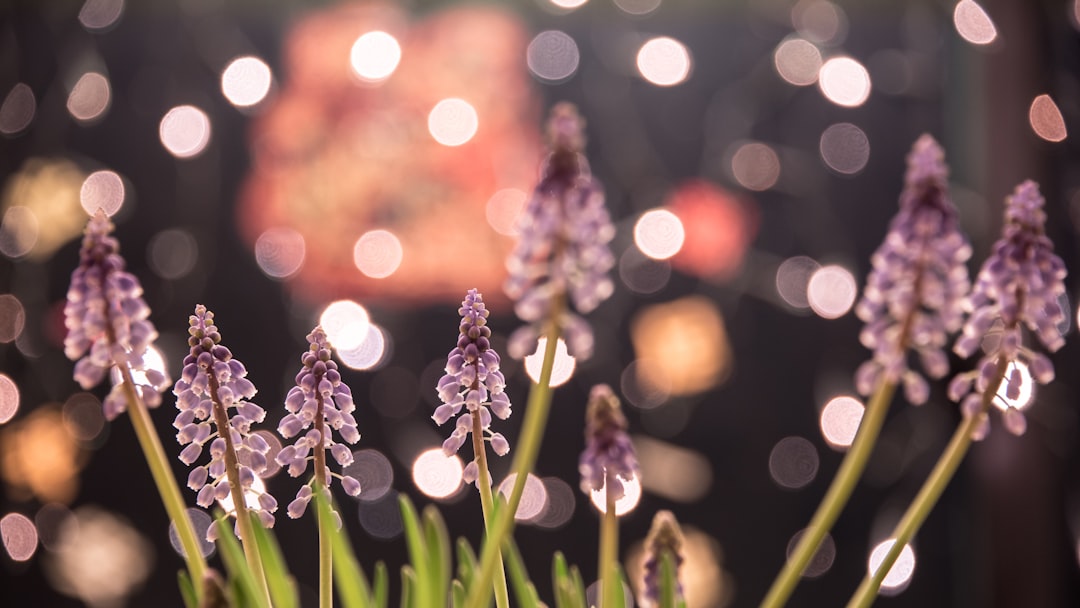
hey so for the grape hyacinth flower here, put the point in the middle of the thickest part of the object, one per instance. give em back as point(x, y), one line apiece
point(212, 382)
point(609, 458)
point(914, 295)
point(322, 402)
point(563, 246)
point(108, 321)
point(1019, 285)
point(473, 380)
point(665, 538)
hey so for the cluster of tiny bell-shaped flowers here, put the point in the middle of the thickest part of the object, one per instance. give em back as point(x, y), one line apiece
point(472, 380)
point(563, 250)
point(609, 459)
point(213, 382)
point(665, 537)
point(320, 403)
point(1020, 284)
point(914, 296)
point(107, 321)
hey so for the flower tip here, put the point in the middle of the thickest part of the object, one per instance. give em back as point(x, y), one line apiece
point(926, 161)
point(566, 128)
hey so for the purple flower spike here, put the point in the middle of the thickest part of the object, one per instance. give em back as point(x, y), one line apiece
point(473, 381)
point(211, 383)
point(563, 248)
point(665, 536)
point(609, 455)
point(107, 321)
point(322, 402)
point(1020, 285)
point(915, 292)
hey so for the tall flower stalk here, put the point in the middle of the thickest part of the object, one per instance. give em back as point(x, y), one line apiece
point(560, 264)
point(607, 462)
point(473, 381)
point(661, 586)
point(1019, 285)
point(212, 383)
point(109, 327)
point(319, 403)
point(912, 301)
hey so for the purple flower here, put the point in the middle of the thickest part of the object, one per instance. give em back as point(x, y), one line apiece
point(609, 455)
point(1020, 285)
point(665, 536)
point(107, 321)
point(473, 380)
point(563, 248)
point(915, 292)
point(321, 402)
point(212, 383)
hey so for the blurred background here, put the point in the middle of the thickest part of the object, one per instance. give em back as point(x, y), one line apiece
point(363, 163)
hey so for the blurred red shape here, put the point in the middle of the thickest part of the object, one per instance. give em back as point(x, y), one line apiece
point(719, 228)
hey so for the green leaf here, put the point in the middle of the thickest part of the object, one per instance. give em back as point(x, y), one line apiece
point(349, 580)
point(466, 562)
point(669, 586)
point(246, 591)
point(569, 590)
point(457, 594)
point(381, 593)
point(187, 589)
point(423, 591)
point(438, 545)
point(281, 584)
point(524, 590)
point(619, 589)
point(408, 586)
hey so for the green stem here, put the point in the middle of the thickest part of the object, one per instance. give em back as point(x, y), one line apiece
point(532, 432)
point(164, 479)
point(326, 548)
point(483, 482)
point(836, 497)
point(609, 549)
point(930, 492)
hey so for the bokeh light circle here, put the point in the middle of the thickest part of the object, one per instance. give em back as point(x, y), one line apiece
point(437, 475)
point(378, 253)
point(102, 190)
point(553, 56)
point(845, 148)
point(659, 234)
point(562, 369)
point(346, 324)
point(246, 81)
point(453, 122)
point(375, 56)
point(185, 131)
point(844, 81)
point(831, 291)
point(664, 61)
point(280, 252)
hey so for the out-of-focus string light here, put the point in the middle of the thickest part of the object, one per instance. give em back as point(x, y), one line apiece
point(900, 574)
point(246, 81)
point(185, 131)
point(664, 61)
point(665, 336)
point(19, 536)
point(12, 318)
point(1026, 395)
point(553, 56)
point(793, 463)
point(637, 8)
point(533, 499)
point(568, 4)
point(629, 501)
point(100, 15)
point(671, 471)
point(172, 253)
point(453, 122)
point(19, 231)
point(797, 61)
point(83, 417)
point(200, 521)
point(503, 210)
point(820, 21)
point(823, 559)
point(1046, 119)
point(973, 24)
point(437, 475)
point(643, 274)
point(755, 166)
point(845, 148)
point(374, 472)
point(844, 81)
point(346, 324)
point(9, 398)
point(561, 370)
point(279, 252)
point(839, 420)
point(792, 277)
point(368, 354)
point(375, 56)
point(378, 253)
point(659, 234)
point(102, 190)
point(89, 98)
point(17, 111)
point(831, 291)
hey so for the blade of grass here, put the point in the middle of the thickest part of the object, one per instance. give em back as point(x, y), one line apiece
point(243, 580)
point(281, 584)
point(352, 585)
point(381, 593)
point(523, 587)
point(466, 562)
point(187, 589)
point(438, 546)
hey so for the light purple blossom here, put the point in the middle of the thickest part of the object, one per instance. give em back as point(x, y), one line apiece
point(1020, 285)
point(665, 536)
point(609, 456)
point(320, 403)
point(212, 383)
point(563, 250)
point(473, 380)
point(915, 292)
point(108, 321)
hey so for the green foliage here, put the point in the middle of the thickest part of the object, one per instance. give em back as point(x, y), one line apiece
point(352, 585)
point(187, 589)
point(281, 584)
point(524, 590)
point(567, 583)
point(242, 586)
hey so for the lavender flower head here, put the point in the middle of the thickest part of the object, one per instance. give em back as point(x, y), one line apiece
point(665, 536)
point(473, 380)
point(915, 292)
point(609, 455)
point(322, 402)
point(1019, 285)
point(107, 320)
point(211, 383)
point(563, 248)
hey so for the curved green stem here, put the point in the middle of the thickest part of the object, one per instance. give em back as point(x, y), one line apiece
point(326, 548)
point(930, 492)
point(483, 482)
point(836, 497)
point(608, 571)
point(532, 433)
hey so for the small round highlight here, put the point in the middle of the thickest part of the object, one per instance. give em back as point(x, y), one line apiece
point(369, 354)
point(793, 463)
point(12, 318)
point(561, 370)
point(823, 559)
point(251, 497)
point(839, 421)
point(831, 291)
point(374, 472)
point(792, 277)
point(659, 234)
point(100, 15)
point(82, 417)
point(503, 210)
point(900, 574)
point(629, 501)
point(641, 273)
point(382, 518)
point(973, 24)
point(820, 21)
point(534, 496)
point(102, 190)
point(18, 109)
point(9, 398)
point(378, 253)
point(1026, 397)
point(664, 61)
point(755, 166)
point(568, 4)
point(844, 81)
point(845, 148)
point(89, 98)
point(200, 521)
point(1046, 119)
point(246, 81)
point(280, 252)
point(552, 56)
point(437, 475)
point(560, 504)
point(172, 253)
point(19, 231)
point(637, 8)
point(797, 61)
point(453, 122)
point(19, 535)
point(185, 131)
point(346, 324)
point(375, 56)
